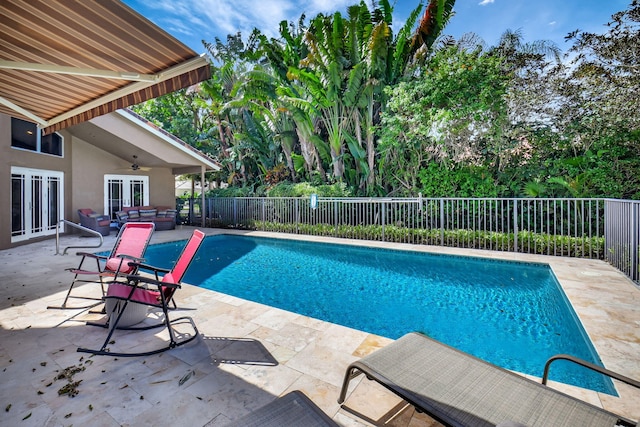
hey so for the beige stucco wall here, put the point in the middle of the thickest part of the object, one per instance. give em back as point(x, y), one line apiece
point(91, 164)
point(84, 167)
point(15, 157)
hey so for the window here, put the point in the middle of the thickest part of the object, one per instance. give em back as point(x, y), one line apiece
point(27, 136)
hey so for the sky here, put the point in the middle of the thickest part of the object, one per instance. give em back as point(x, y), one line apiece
point(192, 21)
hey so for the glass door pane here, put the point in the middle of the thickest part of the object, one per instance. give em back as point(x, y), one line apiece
point(53, 202)
point(137, 193)
point(17, 205)
point(115, 200)
point(36, 204)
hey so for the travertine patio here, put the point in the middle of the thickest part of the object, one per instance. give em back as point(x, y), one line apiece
point(247, 353)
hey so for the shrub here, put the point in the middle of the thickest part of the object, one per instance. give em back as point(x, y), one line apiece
point(528, 242)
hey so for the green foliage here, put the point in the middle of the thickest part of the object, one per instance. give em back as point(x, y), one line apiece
point(231, 192)
point(344, 99)
point(452, 115)
point(528, 242)
point(305, 189)
point(470, 181)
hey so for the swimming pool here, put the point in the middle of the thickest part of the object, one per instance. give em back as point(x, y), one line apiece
point(511, 314)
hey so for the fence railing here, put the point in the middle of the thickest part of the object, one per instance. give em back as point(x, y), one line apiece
point(589, 228)
point(622, 236)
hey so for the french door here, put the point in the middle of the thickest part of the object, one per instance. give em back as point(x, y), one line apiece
point(37, 202)
point(123, 191)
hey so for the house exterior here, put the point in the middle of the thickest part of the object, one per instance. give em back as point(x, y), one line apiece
point(67, 71)
point(106, 163)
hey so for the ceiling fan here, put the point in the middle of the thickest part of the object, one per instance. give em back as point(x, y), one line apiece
point(136, 167)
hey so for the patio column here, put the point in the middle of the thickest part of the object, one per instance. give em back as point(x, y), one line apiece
point(202, 206)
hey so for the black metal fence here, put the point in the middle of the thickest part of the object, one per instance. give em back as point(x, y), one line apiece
point(622, 236)
point(589, 228)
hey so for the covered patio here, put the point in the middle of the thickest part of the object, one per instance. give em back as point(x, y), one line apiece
point(67, 71)
point(247, 353)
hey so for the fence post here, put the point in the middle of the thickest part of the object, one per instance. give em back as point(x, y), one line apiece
point(441, 222)
point(633, 231)
point(297, 209)
point(383, 219)
point(515, 225)
point(335, 218)
point(235, 211)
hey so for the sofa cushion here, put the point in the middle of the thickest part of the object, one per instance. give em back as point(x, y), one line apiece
point(134, 214)
point(161, 214)
point(147, 214)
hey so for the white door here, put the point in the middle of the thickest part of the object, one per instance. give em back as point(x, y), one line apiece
point(37, 201)
point(124, 190)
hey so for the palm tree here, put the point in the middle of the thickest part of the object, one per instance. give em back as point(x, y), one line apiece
point(290, 104)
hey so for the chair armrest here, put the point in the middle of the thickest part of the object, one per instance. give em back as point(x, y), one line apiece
point(90, 255)
point(149, 267)
point(98, 217)
point(131, 257)
point(588, 365)
point(143, 279)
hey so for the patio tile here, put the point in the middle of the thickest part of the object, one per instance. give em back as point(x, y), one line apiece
point(370, 344)
point(275, 318)
point(226, 378)
point(323, 394)
point(374, 401)
point(312, 323)
point(321, 362)
point(273, 379)
point(231, 405)
point(291, 336)
point(41, 415)
point(182, 410)
point(227, 325)
point(341, 339)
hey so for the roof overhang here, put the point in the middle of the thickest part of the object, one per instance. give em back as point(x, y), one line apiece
point(123, 134)
point(63, 62)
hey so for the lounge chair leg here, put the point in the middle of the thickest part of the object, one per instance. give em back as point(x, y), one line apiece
point(352, 372)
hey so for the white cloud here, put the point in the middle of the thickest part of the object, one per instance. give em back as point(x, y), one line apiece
point(202, 17)
point(485, 2)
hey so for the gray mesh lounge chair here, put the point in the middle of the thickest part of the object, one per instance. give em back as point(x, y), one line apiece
point(458, 389)
point(292, 409)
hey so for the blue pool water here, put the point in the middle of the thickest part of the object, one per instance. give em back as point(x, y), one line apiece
point(514, 315)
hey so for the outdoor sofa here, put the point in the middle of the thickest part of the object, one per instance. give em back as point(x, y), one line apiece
point(164, 217)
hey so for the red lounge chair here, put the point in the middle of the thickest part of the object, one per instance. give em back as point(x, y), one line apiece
point(131, 243)
point(141, 290)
